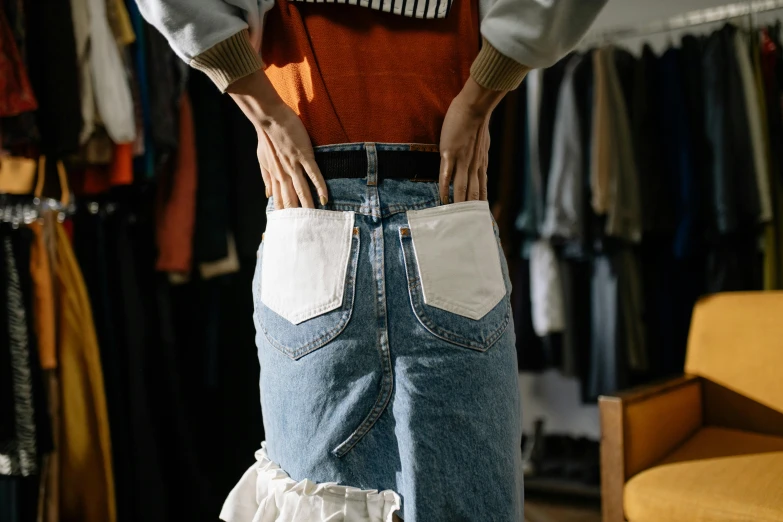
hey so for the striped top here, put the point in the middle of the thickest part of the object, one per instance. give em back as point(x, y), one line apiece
point(411, 8)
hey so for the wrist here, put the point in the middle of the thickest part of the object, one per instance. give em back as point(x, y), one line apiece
point(258, 99)
point(479, 100)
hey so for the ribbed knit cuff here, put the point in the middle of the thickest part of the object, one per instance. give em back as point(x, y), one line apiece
point(229, 60)
point(496, 71)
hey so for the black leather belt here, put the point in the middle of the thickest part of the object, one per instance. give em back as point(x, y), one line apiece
point(415, 165)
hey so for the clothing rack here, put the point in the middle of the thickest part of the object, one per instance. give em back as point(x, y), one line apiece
point(685, 20)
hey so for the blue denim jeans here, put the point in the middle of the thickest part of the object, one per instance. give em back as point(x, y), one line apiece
point(383, 390)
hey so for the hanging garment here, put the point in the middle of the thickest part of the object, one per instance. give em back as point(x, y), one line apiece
point(213, 216)
point(18, 499)
point(15, 13)
point(564, 212)
point(41, 272)
point(7, 406)
point(99, 148)
point(552, 79)
point(16, 94)
point(613, 179)
point(631, 310)
point(569, 354)
point(734, 198)
point(655, 186)
point(22, 244)
point(87, 481)
point(227, 265)
point(624, 220)
point(167, 76)
point(530, 351)
point(770, 58)
point(120, 22)
point(110, 83)
point(139, 144)
point(20, 131)
point(49, 500)
point(532, 215)
point(176, 208)
point(770, 236)
point(583, 83)
point(19, 454)
point(625, 66)
point(54, 74)
point(504, 166)
point(677, 173)
point(603, 341)
point(135, 438)
point(109, 248)
point(80, 11)
point(734, 261)
point(145, 165)
point(575, 276)
point(99, 179)
point(601, 163)
point(755, 123)
point(693, 77)
point(546, 290)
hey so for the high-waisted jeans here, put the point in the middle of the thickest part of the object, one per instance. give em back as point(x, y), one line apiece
point(387, 348)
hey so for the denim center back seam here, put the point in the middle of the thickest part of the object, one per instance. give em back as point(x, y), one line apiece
point(377, 260)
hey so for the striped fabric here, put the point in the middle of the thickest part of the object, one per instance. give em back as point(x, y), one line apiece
point(410, 8)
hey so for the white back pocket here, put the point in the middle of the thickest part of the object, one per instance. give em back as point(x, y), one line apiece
point(458, 258)
point(306, 253)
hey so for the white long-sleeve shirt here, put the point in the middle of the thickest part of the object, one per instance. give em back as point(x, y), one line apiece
point(532, 33)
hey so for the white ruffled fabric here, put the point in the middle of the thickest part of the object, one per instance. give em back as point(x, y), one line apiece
point(266, 493)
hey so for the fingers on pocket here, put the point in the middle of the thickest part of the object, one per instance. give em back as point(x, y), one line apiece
point(444, 178)
point(277, 194)
point(483, 183)
point(314, 173)
point(288, 194)
point(301, 187)
point(264, 153)
point(267, 181)
point(483, 164)
point(461, 179)
point(474, 177)
point(290, 178)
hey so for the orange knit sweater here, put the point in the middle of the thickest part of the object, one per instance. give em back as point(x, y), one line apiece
point(332, 65)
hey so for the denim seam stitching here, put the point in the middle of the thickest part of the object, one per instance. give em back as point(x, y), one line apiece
point(387, 380)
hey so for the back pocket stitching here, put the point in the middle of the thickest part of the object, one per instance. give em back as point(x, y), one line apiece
point(329, 335)
point(417, 304)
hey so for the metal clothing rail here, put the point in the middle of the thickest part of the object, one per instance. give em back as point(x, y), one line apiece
point(685, 20)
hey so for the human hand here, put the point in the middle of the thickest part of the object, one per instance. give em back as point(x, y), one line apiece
point(464, 143)
point(285, 152)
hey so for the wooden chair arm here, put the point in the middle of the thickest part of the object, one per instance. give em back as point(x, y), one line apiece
point(639, 428)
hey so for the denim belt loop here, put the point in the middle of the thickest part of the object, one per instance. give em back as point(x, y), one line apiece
point(372, 164)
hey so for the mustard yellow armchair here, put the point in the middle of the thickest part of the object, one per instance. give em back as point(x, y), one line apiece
point(707, 446)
